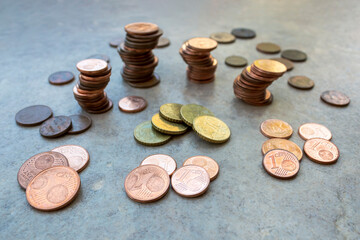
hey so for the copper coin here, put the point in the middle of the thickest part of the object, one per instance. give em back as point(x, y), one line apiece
point(60, 78)
point(92, 66)
point(55, 126)
point(79, 123)
point(243, 33)
point(163, 42)
point(294, 55)
point(147, 183)
point(288, 64)
point(335, 98)
point(53, 188)
point(275, 128)
point(77, 156)
point(281, 164)
point(151, 83)
point(132, 104)
point(202, 44)
point(321, 151)
point(38, 163)
point(33, 115)
point(267, 47)
point(223, 37)
point(141, 28)
point(314, 130)
point(236, 61)
point(279, 143)
point(209, 164)
point(107, 107)
point(100, 56)
point(301, 82)
point(161, 160)
point(116, 42)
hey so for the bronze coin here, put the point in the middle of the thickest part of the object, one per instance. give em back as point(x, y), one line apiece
point(279, 143)
point(335, 98)
point(116, 42)
point(288, 64)
point(77, 156)
point(161, 160)
point(223, 37)
point(106, 108)
point(38, 163)
point(236, 61)
point(267, 47)
point(55, 126)
point(209, 164)
point(79, 123)
point(132, 104)
point(141, 28)
point(33, 115)
point(92, 66)
point(301, 82)
point(163, 42)
point(275, 128)
point(243, 33)
point(281, 164)
point(321, 151)
point(314, 130)
point(100, 56)
point(151, 83)
point(61, 77)
point(202, 44)
point(294, 55)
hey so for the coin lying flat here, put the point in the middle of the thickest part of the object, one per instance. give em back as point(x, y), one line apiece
point(314, 130)
point(223, 37)
point(163, 42)
point(53, 188)
point(33, 115)
point(190, 111)
point(301, 82)
point(294, 55)
point(335, 98)
point(190, 181)
point(321, 151)
point(147, 183)
point(243, 33)
point(209, 164)
point(55, 126)
point(92, 66)
point(171, 112)
point(100, 56)
point(61, 77)
point(38, 163)
point(161, 160)
point(167, 127)
point(279, 143)
point(211, 129)
point(145, 134)
point(275, 128)
point(267, 47)
point(281, 164)
point(77, 156)
point(132, 104)
point(79, 123)
point(116, 42)
point(288, 64)
point(236, 61)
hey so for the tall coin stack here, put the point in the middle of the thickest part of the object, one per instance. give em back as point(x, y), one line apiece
point(250, 86)
point(93, 79)
point(136, 52)
point(201, 65)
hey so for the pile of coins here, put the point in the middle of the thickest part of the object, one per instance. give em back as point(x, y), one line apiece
point(136, 52)
point(250, 86)
point(93, 79)
point(151, 180)
point(175, 119)
point(201, 65)
point(51, 178)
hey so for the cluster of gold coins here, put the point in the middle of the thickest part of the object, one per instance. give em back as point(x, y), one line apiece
point(151, 180)
point(175, 119)
point(282, 157)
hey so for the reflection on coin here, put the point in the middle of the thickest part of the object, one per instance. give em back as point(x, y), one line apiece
point(79, 123)
point(279, 143)
point(171, 112)
point(335, 98)
point(163, 42)
point(236, 61)
point(132, 104)
point(55, 126)
point(77, 156)
point(190, 111)
point(270, 66)
point(167, 127)
point(301, 82)
point(145, 134)
point(223, 37)
point(281, 164)
point(314, 130)
point(92, 66)
point(267, 47)
point(294, 55)
point(288, 64)
point(321, 151)
point(243, 33)
point(61, 77)
point(211, 129)
point(33, 115)
point(209, 164)
point(161, 160)
point(275, 128)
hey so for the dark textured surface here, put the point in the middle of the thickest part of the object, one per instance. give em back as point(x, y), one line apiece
point(40, 37)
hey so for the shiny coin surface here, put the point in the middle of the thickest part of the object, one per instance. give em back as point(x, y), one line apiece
point(275, 128)
point(202, 44)
point(236, 61)
point(281, 164)
point(79, 123)
point(61, 77)
point(243, 33)
point(288, 64)
point(132, 104)
point(270, 66)
point(209, 164)
point(145, 134)
point(190, 111)
point(141, 28)
point(301, 82)
point(38, 163)
point(92, 66)
point(147, 183)
point(55, 126)
point(190, 181)
point(167, 127)
point(223, 37)
point(321, 151)
point(33, 115)
point(211, 129)
point(314, 130)
point(267, 47)
point(161, 160)
point(53, 188)
point(171, 112)
point(279, 143)
point(100, 56)
point(163, 42)
point(335, 98)
point(116, 42)
point(294, 55)
point(77, 156)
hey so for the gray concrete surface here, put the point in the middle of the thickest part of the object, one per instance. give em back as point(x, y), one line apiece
point(322, 202)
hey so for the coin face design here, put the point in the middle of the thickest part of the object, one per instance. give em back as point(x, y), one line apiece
point(314, 130)
point(321, 151)
point(209, 164)
point(279, 143)
point(77, 156)
point(275, 128)
point(281, 163)
point(55, 126)
point(161, 160)
point(335, 98)
point(211, 129)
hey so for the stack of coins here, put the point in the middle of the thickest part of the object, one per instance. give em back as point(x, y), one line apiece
point(201, 65)
point(136, 52)
point(250, 86)
point(93, 79)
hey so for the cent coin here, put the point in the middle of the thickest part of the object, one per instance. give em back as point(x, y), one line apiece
point(281, 164)
point(301, 82)
point(161, 160)
point(92, 66)
point(314, 130)
point(145, 134)
point(79, 123)
point(190, 111)
point(167, 127)
point(288, 64)
point(279, 143)
point(116, 42)
point(55, 127)
point(33, 115)
point(294, 55)
point(163, 42)
point(61, 77)
point(275, 128)
point(171, 112)
point(132, 104)
point(209, 164)
point(100, 56)
point(77, 156)
point(236, 61)
point(267, 47)
point(202, 44)
point(141, 28)
point(321, 151)
point(335, 98)
point(243, 33)
point(223, 37)
point(270, 66)
point(211, 129)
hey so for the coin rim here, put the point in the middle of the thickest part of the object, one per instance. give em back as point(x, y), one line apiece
point(317, 161)
point(273, 175)
point(87, 161)
point(209, 139)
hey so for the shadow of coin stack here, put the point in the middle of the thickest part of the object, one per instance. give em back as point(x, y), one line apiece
point(93, 79)
point(250, 86)
point(136, 52)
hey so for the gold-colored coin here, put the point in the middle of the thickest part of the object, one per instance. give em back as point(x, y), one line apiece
point(171, 112)
point(145, 134)
point(279, 143)
point(271, 66)
point(211, 129)
point(275, 128)
point(190, 111)
point(167, 127)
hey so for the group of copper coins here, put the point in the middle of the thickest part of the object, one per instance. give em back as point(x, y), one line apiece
point(89, 91)
point(52, 126)
point(151, 180)
point(201, 65)
point(176, 119)
point(51, 179)
point(136, 52)
point(282, 157)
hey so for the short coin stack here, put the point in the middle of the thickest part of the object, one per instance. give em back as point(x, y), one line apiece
point(136, 52)
point(250, 86)
point(196, 53)
point(93, 79)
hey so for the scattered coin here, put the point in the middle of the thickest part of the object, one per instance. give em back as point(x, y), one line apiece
point(132, 104)
point(321, 151)
point(145, 134)
point(100, 56)
point(294, 55)
point(281, 164)
point(33, 115)
point(223, 37)
point(79, 123)
point(236, 61)
point(211, 129)
point(335, 98)
point(301, 82)
point(92, 66)
point(314, 130)
point(243, 33)
point(55, 126)
point(190, 111)
point(171, 112)
point(77, 156)
point(161, 160)
point(116, 42)
point(163, 42)
point(267, 47)
point(279, 143)
point(275, 128)
point(209, 164)
point(288, 64)
point(167, 127)
point(60, 78)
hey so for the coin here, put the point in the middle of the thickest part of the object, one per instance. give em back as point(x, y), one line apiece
point(281, 164)
point(211, 129)
point(79, 123)
point(163, 42)
point(100, 56)
point(314, 130)
point(209, 164)
point(171, 112)
point(202, 44)
point(279, 143)
point(167, 127)
point(321, 151)
point(288, 64)
point(301, 82)
point(267, 47)
point(92, 66)
point(190, 111)
point(190, 181)
point(116, 42)
point(243, 33)
point(155, 80)
point(147, 183)
point(275, 128)
point(53, 188)
point(223, 37)
point(294, 55)
point(236, 61)
point(270, 66)
point(55, 126)
point(38, 163)
point(161, 160)
point(33, 115)
point(61, 77)
point(77, 156)
point(335, 98)
point(141, 28)
point(145, 134)
point(132, 104)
